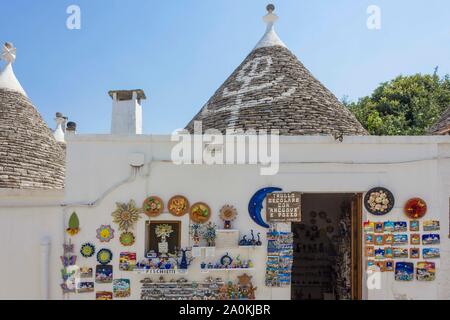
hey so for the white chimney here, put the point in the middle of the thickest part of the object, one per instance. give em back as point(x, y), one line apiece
point(126, 111)
point(60, 127)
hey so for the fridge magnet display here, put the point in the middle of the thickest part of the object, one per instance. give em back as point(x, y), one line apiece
point(388, 239)
point(431, 239)
point(279, 258)
point(379, 253)
point(400, 253)
point(431, 225)
point(121, 288)
point(389, 265)
point(400, 239)
point(103, 295)
point(104, 256)
point(200, 212)
point(389, 226)
point(379, 201)
point(369, 227)
point(87, 250)
point(227, 214)
point(127, 261)
point(126, 215)
point(400, 226)
point(388, 253)
point(85, 287)
point(379, 239)
point(426, 271)
point(415, 239)
point(127, 239)
point(414, 225)
point(370, 251)
point(379, 227)
point(153, 206)
point(414, 253)
point(105, 233)
point(178, 205)
point(86, 272)
point(415, 208)
point(103, 273)
point(74, 224)
point(404, 271)
point(369, 239)
point(431, 253)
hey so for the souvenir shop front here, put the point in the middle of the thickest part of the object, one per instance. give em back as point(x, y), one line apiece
point(151, 229)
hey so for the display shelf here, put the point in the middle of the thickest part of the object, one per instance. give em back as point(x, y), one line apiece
point(227, 269)
point(160, 271)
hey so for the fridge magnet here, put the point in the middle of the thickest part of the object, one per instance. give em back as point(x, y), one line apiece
point(86, 272)
point(153, 206)
point(85, 287)
point(379, 239)
point(68, 260)
point(370, 251)
point(103, 295)
point(414, 225)
point(404, 271)
point(178, 205)
point(104, 256)
point(371, 265)
point(369, 227)
point(415, 208)
point(105, 233)
point(431, 253)
point(379, 201)
point(400, 253)
point(200, 212)
point(388, 226)
point(400, 226)
point(414, 253)
point(431, 225)
point(121, 288)
point(431, 239)
point(415, 239)
point(426, 271)
point(388, 239)
point(369, 239)
point(227, 214)
point(389, 265)
point(379, 253)
point(127, 261)
point(379, 227)
point(87, 250)
point(381, 265)
point(126, 215)
point(388, 253)
point(103, 273)
point(74, 224)
point(400, 239)
point(127, 239)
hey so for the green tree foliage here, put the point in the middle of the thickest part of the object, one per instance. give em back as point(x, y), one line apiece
point(406, 105)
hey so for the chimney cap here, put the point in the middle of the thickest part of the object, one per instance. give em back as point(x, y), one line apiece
point(123, 95)
point(71, 126)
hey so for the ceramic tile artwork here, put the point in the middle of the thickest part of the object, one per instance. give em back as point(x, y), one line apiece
point(389, 265)
point(369, 239)
point(400, 226)
point(431, 239)
point(369, 227)
point(425, 271)
point(388, 253)
point(388, 239)
point(379, 253)
point(86, 272)
point(379, 239)
point(103, 273)
point(404, 271)
point(431, 253)
point(370, 251)
point(127, 261)
point(400, 253)
point(85, 287)
point(103, 295)
point(414, 253)
point(121, 288)
point(431, 225)
point(389, 226)
point(379, 227)
point(400, 239)
point(414, 225)
point(415, 239)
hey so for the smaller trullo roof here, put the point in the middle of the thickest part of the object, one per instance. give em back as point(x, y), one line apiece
point(442, 126)
point(272, 89)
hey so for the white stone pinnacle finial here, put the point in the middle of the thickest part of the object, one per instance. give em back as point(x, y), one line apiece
point(270, 18)
point(9, 52)
point(7, 78)
point(270, 38)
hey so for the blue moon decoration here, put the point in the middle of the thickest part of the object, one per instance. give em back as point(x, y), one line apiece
point(256, 204)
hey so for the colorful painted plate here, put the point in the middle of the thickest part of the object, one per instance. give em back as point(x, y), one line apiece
point(87, 250)
point(153, 206)
point(105, 233)
point(379, 201)
point(178, 205)
point(415, 208)
point(127, 239)
point(104, 256)
point(200, 212)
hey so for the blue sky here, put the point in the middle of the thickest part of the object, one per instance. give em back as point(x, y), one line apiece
point(181, 51)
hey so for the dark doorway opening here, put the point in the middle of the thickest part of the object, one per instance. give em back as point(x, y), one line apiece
point(327, 248)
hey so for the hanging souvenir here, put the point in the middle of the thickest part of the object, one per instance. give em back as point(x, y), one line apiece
point(388, 239)
point(426, 271)
point(379, 227)
point(153, 206)
point(431, 253)
point(389, 265)
point(103, 295)
point(414, 225)
point(370, 252)
point(87, 250)
point(127, 239)
point(195, 231)
point(415, 238)
point(86, 272)
point(369, 227)
point(200, 212)
point(369, 239)
point(400, 239)
point(85, 287)
point(227, 214)
point(400, 226)
point(178, 205)
point(226, 260)
point(404, 271)
point(105, 233)
point(103, 273)
point(121, 288)
point(388, 253)
point(379, 201)
point(104, 256)
point(388, 226)
point(414, 253)
point(379, 253)
point(431, 225)
point(399, 253)
point(126, 215)
point(127, 261)
point(379, 239)
point(74, 224)
point(415, 208)
point(209, 234)
point(431, 239)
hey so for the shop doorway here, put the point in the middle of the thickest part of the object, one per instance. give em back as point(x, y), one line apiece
point(327, 248)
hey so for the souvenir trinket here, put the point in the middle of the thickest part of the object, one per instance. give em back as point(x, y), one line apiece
point(379, 253)
point(370, 252)
point(414, 225)
point(105, 233)
point(388, 239)
point(404, 271)
point(86, 272)
point(227, 214)
point(369, 239)
point(74, 224)
point(389, 265)
point(103, 273)
point(84, 287)
point(127, 261)
point(104, 256)
point(388, 253)
point(178, 205)
point(379, 227)
point(415, 208)
point(163, 231)
point(127, 239)
point(400, 226)
point(400, 239)
point(103, 295)
point(209, 234)
point(153, 206)
point(426, 271)
point(431, 225)
point(415, 238)
point(87, 250)
point(121, 288)
point(400, 253)
point(431, 253)
point(195, 231)
point(200, 212)
point(126, 215)
point(431, 239)
point(379, 201)
point(414, 253)
point(379, 239)
point(389, 226)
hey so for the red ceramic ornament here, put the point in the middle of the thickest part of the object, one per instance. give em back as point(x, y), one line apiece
point(415, 208)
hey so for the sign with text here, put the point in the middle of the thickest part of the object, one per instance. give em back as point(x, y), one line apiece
point(283, 207)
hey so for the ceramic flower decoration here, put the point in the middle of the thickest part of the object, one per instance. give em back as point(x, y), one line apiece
point(153, 206)
point(105, 233)
point(104, 256)
point(126, 215)
point(163, 231)
point(415, 208)
point(379, 201)
point(87, 250)
point(127, 239)
point(74, 224)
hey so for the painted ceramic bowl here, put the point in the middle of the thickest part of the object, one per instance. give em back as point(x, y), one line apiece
point(178, 206)
point(127, 239)
point(415, 208)
point(200, 212)
point(153, 206)
point(104, 256)
point(379, 201)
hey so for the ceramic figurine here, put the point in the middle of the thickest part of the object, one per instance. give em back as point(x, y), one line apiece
point(259, 243)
